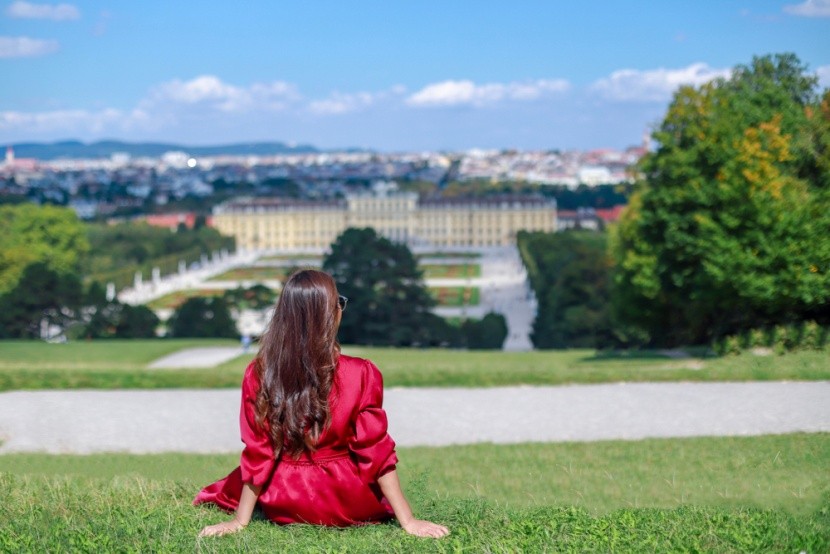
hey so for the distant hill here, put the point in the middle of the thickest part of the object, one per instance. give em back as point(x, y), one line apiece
point(105, 148)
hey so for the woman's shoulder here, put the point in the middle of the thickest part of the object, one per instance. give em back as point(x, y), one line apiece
point(352, 367)
point(353, 363)
point(250, 381)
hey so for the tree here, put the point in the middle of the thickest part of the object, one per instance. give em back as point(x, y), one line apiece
point(725, 231)
point(98, 316)
point(136, 322)
point(570, 274)
point(388, 302)
point(203, 317)
point(29, 234)
point(257, 297)
point(41, 300)
point(487, 333)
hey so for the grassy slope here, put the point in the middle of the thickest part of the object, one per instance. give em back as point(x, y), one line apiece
point(122, 364)
point(733, 494)
point(786, 472)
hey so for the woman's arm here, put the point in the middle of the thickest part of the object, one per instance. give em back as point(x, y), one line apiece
point(247, 502)
point(391, 487)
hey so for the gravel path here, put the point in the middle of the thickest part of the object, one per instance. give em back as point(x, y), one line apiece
point(206, 420)
point(209, 356)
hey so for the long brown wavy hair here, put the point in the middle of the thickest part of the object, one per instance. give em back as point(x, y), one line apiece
point(296, 361)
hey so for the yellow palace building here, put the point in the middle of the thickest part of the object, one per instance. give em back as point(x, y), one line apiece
point(287, 224)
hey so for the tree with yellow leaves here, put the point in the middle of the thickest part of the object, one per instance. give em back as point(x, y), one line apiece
point(729, 228)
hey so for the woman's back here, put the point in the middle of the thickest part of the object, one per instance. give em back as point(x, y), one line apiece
point(335, 484)
point(334, 463)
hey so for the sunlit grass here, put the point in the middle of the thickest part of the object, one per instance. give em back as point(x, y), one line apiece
point(787, 472)
point(456, 296)
point(758, 494)
point(252, 273)
point(123, 364)
point(451, 271)
point(173, 300)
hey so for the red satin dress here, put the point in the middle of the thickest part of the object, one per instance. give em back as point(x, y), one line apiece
point(335, 485)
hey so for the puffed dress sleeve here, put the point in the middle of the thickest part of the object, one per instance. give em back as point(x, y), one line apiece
point(257, 460)
point(371, 445)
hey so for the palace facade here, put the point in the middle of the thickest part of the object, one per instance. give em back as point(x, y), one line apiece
point(283, 224)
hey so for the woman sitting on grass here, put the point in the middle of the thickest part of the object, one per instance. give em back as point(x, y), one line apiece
point(316, 447)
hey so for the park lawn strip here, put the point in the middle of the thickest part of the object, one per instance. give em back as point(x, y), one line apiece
point(451, 271)
point(143, 502)
point(113, 364)
point(94, 354)
point(173, 300)
point(444, 254)
point(457, 368)
point(455, 296)
point(292, 257)
point(137, 515)
point(251, 273)
point(782, 472)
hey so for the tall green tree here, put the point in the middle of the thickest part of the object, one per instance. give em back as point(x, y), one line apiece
point(570, 274)
point(203, 317)
point(388, 302)
point(729, 227)
point(136, 322)
point(30, 234)
point(42, 299)
point(487, 333)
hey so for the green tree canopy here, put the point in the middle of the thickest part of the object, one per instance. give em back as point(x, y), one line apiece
point(118, 251)
point(257, 297)
point(388, 302)
point(202, 317)
point(487, 333)
point(41, 299)
point(730, 226)
point(570, 274)
point(136, 322)
point(48, 234)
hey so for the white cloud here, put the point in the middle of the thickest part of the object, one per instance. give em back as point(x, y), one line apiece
point(823, 74)
point(460, 93)
point(656, 85)
point(339, 103)
point(809, 8)
point(69, 121)
point(25, 47)
point(27, 10)
point(210, 91)
point(203, 98)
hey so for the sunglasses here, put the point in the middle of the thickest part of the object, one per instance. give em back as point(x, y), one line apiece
point(342, 301)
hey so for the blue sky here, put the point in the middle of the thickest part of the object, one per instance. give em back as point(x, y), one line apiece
point(392, 76)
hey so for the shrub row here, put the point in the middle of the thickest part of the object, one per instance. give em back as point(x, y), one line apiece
point(807, 335)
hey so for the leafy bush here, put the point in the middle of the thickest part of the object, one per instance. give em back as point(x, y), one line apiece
point(203, 317)
point(781, 338)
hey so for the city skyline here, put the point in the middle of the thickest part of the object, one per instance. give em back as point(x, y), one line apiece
point(386, 77)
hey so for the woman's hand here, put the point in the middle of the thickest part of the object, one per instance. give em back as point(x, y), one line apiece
point(423, 528)
point(224, 528)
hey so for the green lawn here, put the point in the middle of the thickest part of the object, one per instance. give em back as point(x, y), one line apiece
point(292, 257)
point(455, 296)
point(748, 494)
point(175, 299)
point(451, 271)
point(251, 273)
point(265, 273)
point(122, 364)
point(440, 255)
